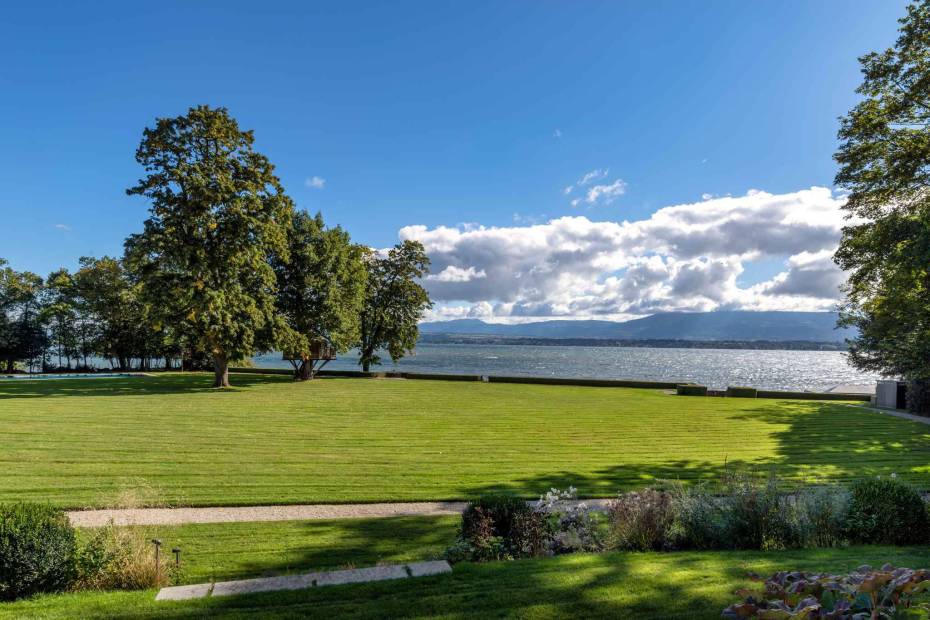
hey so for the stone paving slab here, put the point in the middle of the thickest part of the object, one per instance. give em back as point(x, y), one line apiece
point(266, 584)
point(182, 593)
point(424, 569)
point(306, 580)
point(362, 575)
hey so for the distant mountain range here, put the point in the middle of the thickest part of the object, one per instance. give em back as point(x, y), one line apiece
point(702, 326)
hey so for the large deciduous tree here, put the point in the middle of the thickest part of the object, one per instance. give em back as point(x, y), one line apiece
point(22, 335)
point(321, 289)
point(394, 303)
point(218, 212)
point(884, 160)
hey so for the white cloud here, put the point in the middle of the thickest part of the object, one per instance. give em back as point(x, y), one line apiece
point(605, 194)
point(682, 257)
point(594, 175)
point(315, 182)
point(457, 274)
point(585, 179)
point(64, 227)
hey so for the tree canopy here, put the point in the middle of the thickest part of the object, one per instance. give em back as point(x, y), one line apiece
point(217, 214)
point(884, 160)
point(321, 289)
point(394, 302)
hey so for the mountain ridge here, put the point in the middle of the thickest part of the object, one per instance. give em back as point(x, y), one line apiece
point(704, 326)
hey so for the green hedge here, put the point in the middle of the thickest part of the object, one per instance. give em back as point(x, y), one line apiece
point(741, 392)
point(691, 389)
point(811, 395)
point(655, 385)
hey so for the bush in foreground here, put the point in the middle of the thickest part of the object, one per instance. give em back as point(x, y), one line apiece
point(504, 527)
point(37, 550)
point(640, 521)
point(887, 511)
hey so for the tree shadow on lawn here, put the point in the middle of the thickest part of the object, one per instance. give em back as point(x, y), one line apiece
point(154, 385)
point(817, 443)
point(825, 442)
point(321, 545)
point(608, 585)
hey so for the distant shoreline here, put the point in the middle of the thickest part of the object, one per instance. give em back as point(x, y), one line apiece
point(763, 345)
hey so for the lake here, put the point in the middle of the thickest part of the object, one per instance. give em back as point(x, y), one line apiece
point(715, 368)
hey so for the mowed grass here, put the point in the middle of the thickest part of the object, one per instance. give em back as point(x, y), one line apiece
point(684, 585)
point(225, 551)
point(171, 439)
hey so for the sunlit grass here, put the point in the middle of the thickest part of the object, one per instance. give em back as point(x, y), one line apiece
point(172, 439)
point(686, 585)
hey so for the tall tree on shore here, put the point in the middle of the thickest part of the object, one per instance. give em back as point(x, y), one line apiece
point(22, 335)
point(394, 303)
point(321, 289)
point(884, 160)
point(218, 212)
point(59, 312)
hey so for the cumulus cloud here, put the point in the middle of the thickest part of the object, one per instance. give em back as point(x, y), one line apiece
point(457, 274)
point(682, 257)
point(315, 182)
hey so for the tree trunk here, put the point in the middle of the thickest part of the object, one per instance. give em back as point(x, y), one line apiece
point(305, 371)
point(220, 370)
point(366, 365)
point(9, 366)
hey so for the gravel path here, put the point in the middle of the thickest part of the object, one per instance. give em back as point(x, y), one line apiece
point(177, 516)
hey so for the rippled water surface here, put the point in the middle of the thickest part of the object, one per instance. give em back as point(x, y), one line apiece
point(716, 368)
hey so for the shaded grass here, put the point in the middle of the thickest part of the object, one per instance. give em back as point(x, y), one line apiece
point(269, 440)
point(611, 585)
point(225, 551)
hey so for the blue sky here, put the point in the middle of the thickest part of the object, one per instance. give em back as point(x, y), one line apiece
point(435, 114)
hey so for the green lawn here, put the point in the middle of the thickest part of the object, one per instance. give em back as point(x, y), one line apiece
point(611, 585)
point(220, 552)
point(172, 439)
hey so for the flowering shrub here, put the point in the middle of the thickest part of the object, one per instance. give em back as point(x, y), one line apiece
point(863, 593)
point(640, 521)
point(573, 525)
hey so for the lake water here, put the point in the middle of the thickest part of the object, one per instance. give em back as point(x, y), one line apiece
point(715, 368)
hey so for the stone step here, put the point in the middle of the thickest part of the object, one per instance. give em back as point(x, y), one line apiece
point(305, 580)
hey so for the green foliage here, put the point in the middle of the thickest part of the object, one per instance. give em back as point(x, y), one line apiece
point(217, 214)
point(863, 593)
point(821, 516)
point(321, 289)
point(887, 511)
point(884, 166)
point(37, 550)
point(394, 302)
point(758, 515)
point(22, 334)
point(700, 518)
point(493, 516)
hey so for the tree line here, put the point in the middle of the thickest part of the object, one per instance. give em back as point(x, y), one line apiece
point(225, 266)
